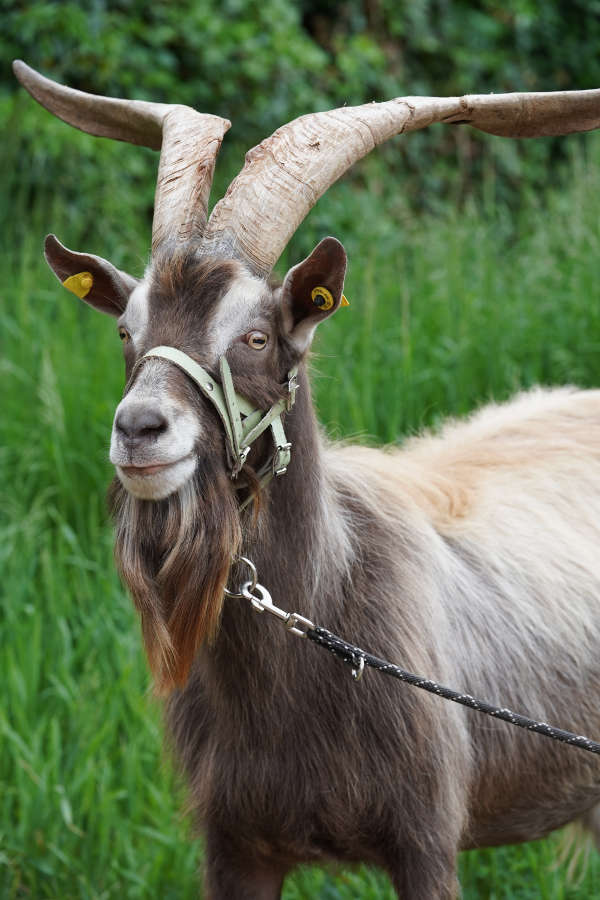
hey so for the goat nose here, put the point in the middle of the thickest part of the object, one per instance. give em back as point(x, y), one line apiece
point(138, 421)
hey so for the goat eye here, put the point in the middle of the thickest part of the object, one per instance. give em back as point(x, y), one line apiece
point(257, 340)
point(124, 335)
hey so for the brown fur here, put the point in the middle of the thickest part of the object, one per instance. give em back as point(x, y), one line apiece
point(177, 572)
point(470, 557)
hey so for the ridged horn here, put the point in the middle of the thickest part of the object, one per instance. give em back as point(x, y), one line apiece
point(189, 142)
point(284, 176)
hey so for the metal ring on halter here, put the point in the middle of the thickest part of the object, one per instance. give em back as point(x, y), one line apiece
point(250, 585)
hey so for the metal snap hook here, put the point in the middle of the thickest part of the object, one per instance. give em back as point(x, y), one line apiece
point(262, 601)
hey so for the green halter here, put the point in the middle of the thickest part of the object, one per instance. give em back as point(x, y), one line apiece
point(243, 422)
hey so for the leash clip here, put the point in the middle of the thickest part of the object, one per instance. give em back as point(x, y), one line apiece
point(261, 602)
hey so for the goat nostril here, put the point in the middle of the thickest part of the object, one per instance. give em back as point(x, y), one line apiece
point(139, 421)
point(154, 428)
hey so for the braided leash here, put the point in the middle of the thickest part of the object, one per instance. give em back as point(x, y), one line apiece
point(353, 656)
point(358, 659)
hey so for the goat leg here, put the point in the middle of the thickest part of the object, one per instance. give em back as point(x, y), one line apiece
point(425, 875)
point(232, 875)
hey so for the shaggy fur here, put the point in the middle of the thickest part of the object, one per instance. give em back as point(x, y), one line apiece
point(171, 554)
point(470, 557)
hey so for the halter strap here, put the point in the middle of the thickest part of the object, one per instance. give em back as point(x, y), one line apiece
point(243, 423)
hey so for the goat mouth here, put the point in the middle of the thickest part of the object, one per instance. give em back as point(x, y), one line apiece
point(155, 481)
point(144, 471)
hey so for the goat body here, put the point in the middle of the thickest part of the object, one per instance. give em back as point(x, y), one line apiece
point(471, 557)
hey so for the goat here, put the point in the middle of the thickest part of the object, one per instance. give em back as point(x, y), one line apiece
point(471, 556)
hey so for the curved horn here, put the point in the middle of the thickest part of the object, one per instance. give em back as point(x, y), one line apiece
point(284, 176)
point(190, 142)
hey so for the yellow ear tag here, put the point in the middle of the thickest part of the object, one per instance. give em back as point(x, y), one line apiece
point(345, 301)
point(322, 298)
point(80, 284)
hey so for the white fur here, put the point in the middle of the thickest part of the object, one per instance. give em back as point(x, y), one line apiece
point(174, 446)
point(236, 311)
point(301, 336)
point(135, 317)
point(162, 484)
point(517, 488)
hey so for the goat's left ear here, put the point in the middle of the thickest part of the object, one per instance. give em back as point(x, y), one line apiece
point(313, 290)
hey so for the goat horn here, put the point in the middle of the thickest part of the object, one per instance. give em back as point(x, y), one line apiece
point(189, 140)
point(284, 176)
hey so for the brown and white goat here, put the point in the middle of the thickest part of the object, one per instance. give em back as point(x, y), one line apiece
point(472, 556)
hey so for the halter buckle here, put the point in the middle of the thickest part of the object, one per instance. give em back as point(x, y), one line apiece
point(281, 458)
point(292, 387)
point(239, 463)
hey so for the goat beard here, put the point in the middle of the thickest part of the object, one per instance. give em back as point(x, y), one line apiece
point(174, 555)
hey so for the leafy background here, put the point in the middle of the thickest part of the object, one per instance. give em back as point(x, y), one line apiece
point(473, 272)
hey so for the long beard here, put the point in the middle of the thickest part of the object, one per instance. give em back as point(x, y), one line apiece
point(174, 555)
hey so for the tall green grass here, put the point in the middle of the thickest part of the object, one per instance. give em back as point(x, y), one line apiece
point(447, 311)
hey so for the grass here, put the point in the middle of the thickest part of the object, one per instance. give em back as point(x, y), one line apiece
point(447, 311)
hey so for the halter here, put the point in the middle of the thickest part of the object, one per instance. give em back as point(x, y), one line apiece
point(243, 422)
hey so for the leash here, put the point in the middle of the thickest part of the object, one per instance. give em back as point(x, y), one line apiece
point(243, 424)
point(357, 658)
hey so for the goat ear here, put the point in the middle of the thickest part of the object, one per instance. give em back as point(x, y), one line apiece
point(313, 290)
point(91, 278)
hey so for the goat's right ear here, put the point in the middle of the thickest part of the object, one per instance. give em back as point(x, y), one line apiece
point(91, 278)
